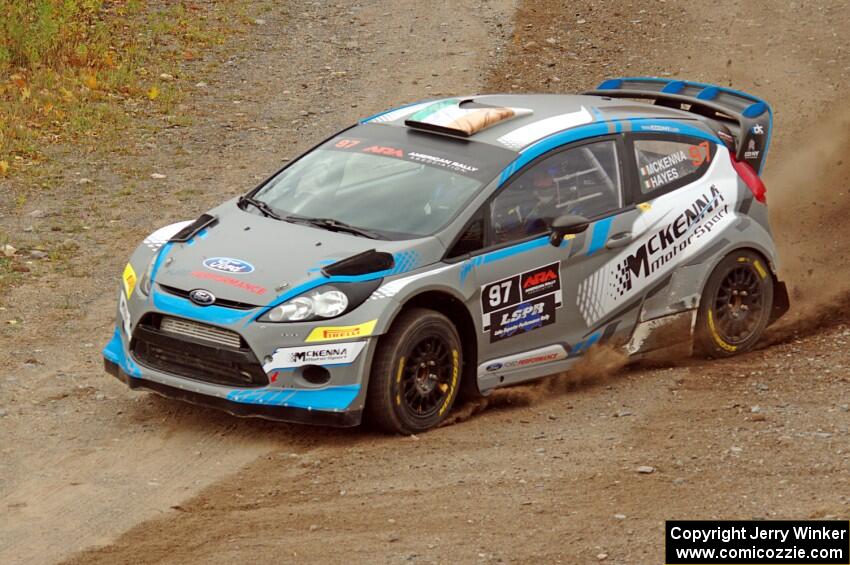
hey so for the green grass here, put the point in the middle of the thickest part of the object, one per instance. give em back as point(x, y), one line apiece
point(88, 75)
point(81, 70)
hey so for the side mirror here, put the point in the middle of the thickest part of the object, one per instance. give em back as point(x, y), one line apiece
point(567, 225)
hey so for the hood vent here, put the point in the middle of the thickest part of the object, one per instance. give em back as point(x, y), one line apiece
point(371, 261)
point(190, 231)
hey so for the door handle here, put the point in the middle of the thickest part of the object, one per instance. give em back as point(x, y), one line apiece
point(619, 240)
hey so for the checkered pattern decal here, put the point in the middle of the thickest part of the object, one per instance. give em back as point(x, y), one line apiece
point(603, 291)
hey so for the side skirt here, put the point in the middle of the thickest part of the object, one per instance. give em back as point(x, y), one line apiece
point(667, 336)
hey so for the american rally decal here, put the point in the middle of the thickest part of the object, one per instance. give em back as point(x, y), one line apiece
point(689, 226)
point(521, 303)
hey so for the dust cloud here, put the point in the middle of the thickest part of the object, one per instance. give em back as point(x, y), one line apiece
point(597, 365)
point(809, 201)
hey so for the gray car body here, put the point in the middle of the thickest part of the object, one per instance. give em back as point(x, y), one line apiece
point(660, 300)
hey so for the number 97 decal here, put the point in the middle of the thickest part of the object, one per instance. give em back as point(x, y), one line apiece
point(700, 153)
point(521, 288)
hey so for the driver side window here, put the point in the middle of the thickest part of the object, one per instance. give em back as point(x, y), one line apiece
point(583, 181)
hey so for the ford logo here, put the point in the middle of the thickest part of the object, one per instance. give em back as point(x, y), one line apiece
point(228, 265)
point(493, 367)
point(202, 297)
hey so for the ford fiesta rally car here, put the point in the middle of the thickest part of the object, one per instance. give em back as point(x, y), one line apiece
point(459, 245)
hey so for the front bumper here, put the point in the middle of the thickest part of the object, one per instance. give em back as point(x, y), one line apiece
point(332, 405)
point(278, 413)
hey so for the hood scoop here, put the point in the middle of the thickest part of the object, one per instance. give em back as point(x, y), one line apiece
point(371, 261)
point(190, 231)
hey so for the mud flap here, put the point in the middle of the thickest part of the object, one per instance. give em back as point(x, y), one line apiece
point(669, 336)
point(781, 302)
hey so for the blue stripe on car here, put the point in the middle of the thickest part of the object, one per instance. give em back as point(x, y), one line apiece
point(708, 93)
point(597, 114)
point(114, 352)
point(546, 144)
point(403, 262)
point(584, 345)
point(186, 309)
point(674, 87)
point(600, 234)
point(330, 398)
point(674, 126)
point(159, 259)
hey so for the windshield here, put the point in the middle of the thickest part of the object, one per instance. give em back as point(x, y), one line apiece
point(382, 185)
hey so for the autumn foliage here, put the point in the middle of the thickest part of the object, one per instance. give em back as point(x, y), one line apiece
point(78, 70)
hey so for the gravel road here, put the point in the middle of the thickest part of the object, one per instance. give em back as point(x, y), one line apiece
point(570, 471)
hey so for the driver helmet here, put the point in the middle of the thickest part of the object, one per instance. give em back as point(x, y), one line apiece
point(543, 182)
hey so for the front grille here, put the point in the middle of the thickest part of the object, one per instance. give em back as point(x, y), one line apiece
point(195, 357)
point(218, 301)
point(199, 331)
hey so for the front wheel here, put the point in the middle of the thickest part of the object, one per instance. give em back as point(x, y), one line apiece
point(735, 306)
point(416, 373)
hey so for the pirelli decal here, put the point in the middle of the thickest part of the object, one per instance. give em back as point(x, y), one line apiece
point(333, 333)
point(521, 303)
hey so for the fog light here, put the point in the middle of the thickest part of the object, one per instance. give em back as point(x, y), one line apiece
point(315, 375)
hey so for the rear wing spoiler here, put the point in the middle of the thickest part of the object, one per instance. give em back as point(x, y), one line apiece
point(748, 119)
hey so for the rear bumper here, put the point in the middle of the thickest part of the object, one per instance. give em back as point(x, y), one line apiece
point(345, 419)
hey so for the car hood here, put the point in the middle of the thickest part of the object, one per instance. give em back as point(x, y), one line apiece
point(251, 259)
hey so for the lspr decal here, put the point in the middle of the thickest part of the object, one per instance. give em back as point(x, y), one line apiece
point(522, 302)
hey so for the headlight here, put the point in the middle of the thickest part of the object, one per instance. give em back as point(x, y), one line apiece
point(145, 284)
point(327, 301)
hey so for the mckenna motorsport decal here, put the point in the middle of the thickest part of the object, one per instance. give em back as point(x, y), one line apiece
point(228, 265)
point(341, 332)
point(656, 253)
point(256, 289)
point(547, 354)
point(336, 354)
point(521, 303)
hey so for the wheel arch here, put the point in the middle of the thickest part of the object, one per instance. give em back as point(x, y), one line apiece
point(749, 246)
point(453, 308)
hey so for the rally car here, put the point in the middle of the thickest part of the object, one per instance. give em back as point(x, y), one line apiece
point(454, 246)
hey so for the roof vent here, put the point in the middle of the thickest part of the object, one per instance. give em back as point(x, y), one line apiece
point(461, 117)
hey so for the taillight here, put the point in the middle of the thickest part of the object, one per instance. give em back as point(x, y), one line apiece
point(750, 178)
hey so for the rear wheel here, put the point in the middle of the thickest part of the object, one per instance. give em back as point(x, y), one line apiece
point(416, 373)
point(735, 306)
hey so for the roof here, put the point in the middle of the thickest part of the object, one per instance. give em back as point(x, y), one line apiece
point(515, 121)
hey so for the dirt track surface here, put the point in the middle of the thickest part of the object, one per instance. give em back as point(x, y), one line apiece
point(546, 473)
